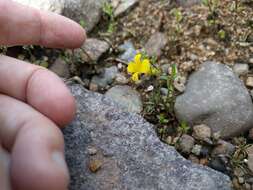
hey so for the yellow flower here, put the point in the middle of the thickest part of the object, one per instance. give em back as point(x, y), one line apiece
point(139, 66)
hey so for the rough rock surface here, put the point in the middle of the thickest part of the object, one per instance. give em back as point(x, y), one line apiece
point(61, 68)
point(126, 97)
point(107, 148)
point(215, 96)
point(55, 6)
point(155, 44)
point(92, 50)
point(188, 3)
point(87, 11)
point(123, 6)
point(106, 78)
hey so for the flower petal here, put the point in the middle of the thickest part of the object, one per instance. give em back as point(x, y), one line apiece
point(137, 59)
point(145, 67)
point(135, 77)
point(131, 68)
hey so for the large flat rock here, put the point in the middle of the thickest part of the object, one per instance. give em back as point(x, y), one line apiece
point(110, 149)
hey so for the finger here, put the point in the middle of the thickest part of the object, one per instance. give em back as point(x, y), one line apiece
point(22, 25)
point(4, 170)
point(38, 87)
point(36, 146)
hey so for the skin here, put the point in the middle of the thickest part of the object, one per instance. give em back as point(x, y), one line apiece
point(34, 102)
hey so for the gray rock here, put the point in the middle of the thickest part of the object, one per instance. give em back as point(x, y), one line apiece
point(179, 83)
point(241, 69)
point(61, 68)
point(164, 91)
point(155, 44)
point(87, 11)
point(250, 134)
point(106, 78)
point(123, 5)
point(92, 50)
point(202, 132)
point(132, 156)
point(126, 97)
point(121, 79)
point(250, 160)
point(129, 51)
point(55, 6)
point(249, 81)
point(186, 143)
point(197, 149)
point(223, 148)
point(215, 96)
point(188, 3)
point(165, 68)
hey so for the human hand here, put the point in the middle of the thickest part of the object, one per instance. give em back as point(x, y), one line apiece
point(32, 100)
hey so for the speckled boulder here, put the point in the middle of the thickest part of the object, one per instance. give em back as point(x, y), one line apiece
point(110, 149)
point(215, 96)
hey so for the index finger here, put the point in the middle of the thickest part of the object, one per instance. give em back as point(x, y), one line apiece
point(22, 25)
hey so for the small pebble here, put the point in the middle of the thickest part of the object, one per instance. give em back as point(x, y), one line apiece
point(194, 159)
point(164, 91)
point(236, 184)
point(93, 87)
point(121, 79)
point(92, 151)
point(95, 165)
point(204, 151)
point(165, 68)
point(224, 148)
point(241, 69)
point(169, 140)
point(150, 88)
point(249, 82)
point(179, 83)
point(251, 130)
point(250, 162)
point(217, 164)
point(241, 180)
point(196, 149)
point(251, 60)
point(201, 132)
point(175, 140)
point(203, 161)
point(247, 186)
point(186, 143)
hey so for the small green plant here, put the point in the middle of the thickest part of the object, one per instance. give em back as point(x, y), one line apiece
point(183, 128)
point(82, 23)
point(170, 79)
point(162, 119)
point(222, 34)
point(213, 7)
point(239, 158)
point(109, 11)
point(211, 4)
point(179, 17)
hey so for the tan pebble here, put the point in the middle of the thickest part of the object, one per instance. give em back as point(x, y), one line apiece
point(93, 87)
point(249, 82)
point(95, 165)
point(203, 161)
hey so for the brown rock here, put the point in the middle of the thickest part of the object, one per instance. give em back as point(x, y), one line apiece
point(156, 44)
point(95, 165)
point(61, 68)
